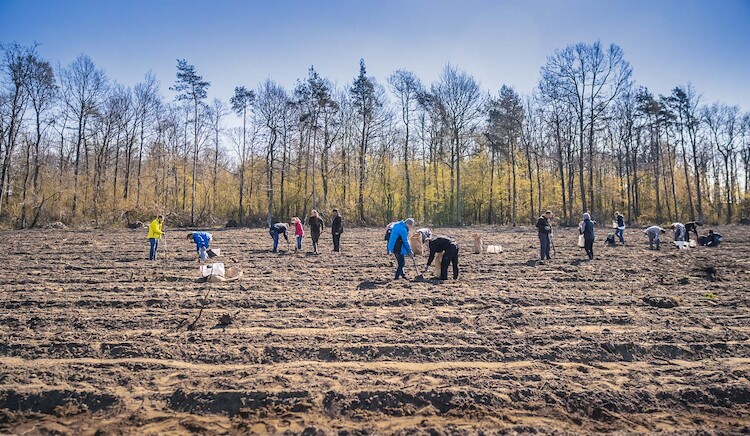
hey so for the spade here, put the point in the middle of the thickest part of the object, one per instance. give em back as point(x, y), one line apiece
point(419, 277)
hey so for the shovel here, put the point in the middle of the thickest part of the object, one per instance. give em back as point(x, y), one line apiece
point(419, 277)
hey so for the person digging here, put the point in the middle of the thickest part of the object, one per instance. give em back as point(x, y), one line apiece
point(398, 244)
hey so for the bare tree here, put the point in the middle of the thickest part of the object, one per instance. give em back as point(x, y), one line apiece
point(83, 88)
point(271, 105)
point(42, 90)
point(461, 101)
point(147, 103)
point(242, 102)
point(407, 87)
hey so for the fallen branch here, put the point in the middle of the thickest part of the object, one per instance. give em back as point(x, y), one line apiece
point(191, 326)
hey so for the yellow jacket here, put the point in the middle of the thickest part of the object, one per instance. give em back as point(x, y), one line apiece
point(154, 229)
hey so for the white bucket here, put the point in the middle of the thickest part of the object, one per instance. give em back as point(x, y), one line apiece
point(494, 248)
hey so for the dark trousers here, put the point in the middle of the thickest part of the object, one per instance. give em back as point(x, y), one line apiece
point(154, 245)
point(544, 244)
point(653, 240)
point(315, 237)
point(401, 263)
point(589, 246)
point(275, 236)
point(449, 255)
point(336, 242)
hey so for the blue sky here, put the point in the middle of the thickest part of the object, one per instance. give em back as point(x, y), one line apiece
point(500, 42)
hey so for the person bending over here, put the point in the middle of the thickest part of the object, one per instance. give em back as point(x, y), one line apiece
point(202, 240)
point(449, 248)
point(654, 236)
point(276, 230)
point(691, 226)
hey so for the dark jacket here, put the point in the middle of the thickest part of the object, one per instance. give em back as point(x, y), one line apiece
point(337, 226)
point(620, 221)
point(588, 230)
point(316, 224)
point(713, 240)
point(543, 226)
point(279, 229)
point(439, 244)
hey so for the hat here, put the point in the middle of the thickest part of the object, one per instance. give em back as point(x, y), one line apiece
point(586, 216)
point(409, 222)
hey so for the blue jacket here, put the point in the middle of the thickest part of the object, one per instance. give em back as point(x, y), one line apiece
point(201, 239)
point(399, 229)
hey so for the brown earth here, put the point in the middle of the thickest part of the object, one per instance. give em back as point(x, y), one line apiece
point(95, 339)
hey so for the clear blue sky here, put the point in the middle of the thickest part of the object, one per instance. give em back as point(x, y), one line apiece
point(668, 42)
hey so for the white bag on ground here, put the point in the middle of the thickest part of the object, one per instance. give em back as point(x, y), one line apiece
point(494, 248)
point(213, 270)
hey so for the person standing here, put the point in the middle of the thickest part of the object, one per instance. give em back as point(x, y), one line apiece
point(398, 244)
point(620, 230)
point(654, 236)
point(449, 248)
point(544, 228)
point(275, 231)
point(337, 228)
point(299, 232)
point(155, 233)
point(316, 227)
point(586, 228)
point(202, 241)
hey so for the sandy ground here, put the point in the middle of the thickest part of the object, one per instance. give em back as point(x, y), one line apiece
point(96, 339)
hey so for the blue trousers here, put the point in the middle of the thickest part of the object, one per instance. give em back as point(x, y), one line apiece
point(299, 242)
point(401, 262)
point(619, 233)
point(275, 236)
point(154, 245)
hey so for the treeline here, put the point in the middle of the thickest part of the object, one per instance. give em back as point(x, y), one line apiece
point(79, 148)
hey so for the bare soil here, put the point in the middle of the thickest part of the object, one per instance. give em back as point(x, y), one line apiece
point(96, 339)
